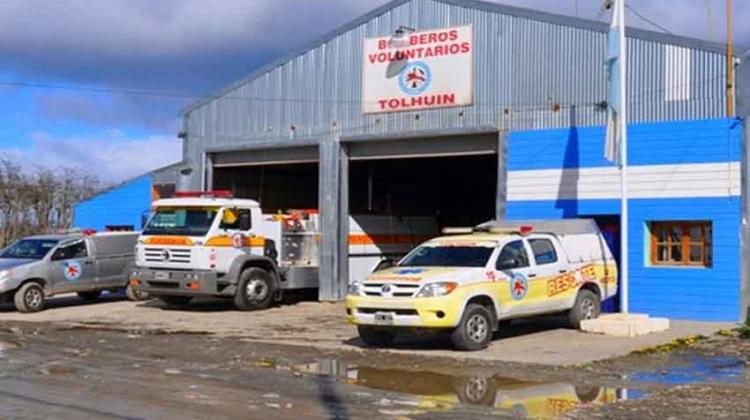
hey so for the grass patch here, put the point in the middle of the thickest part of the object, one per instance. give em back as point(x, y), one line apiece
point(673, 345)
point(743, 332)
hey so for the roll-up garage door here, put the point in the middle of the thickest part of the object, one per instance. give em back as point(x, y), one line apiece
point(424, 148)
point(280, 156)
point(282, 178)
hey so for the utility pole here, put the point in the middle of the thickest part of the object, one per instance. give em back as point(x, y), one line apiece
point(730, 62)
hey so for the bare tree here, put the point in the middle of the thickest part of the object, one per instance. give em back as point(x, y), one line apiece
point(39, 200)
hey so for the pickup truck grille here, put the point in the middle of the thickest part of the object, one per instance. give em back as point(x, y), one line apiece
point(391, 289)
point(167, 255)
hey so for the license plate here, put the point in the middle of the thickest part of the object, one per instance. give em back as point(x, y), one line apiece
point(384, 318)
point(162, 275)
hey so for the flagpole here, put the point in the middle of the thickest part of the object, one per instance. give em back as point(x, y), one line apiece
point(624, 271)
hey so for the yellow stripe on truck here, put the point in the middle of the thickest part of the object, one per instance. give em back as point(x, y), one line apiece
point(226, 241)
point(168, 240)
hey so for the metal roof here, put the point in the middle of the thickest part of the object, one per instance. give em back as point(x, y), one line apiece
point(556, 19)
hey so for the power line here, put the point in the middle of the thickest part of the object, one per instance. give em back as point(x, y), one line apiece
point(647, 20)
point(92, 89)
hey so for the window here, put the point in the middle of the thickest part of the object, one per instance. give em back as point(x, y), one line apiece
point(74, 250)
point(29, 248)
point(190, 221)
point(544, 251)
point(448, 256)
point(513, 256)
point(681, 244)
point(242, 220)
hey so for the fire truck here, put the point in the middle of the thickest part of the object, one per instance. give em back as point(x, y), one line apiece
point(211, 244)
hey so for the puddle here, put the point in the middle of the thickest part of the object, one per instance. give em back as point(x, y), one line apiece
point(57, 370)
point(4, 347)
point(422, 392)
point(697, 369)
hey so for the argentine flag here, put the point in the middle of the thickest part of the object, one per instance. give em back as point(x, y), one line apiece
point(614, 74)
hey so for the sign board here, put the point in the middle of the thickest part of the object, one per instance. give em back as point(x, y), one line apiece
point(423, 70)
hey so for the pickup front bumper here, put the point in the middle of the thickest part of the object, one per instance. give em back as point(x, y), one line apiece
point(437, 312)
point(180, 283)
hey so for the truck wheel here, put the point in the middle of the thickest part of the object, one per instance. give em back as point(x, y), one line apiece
point(476, 390)
point(134, 295)
point(255, 290)
point(474, 332)
point(587, 306)
point(89, 296)
point(175, 300)
point(29, 298)
point(376, 337)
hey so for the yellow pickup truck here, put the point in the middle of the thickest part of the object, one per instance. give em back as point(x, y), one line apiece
point(472, 279)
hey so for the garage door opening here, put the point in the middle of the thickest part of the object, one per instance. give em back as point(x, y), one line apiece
point(456, 191)
point(277, 187)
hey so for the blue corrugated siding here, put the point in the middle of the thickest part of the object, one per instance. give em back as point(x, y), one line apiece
point(711, 294)
point(123, 205)
point(682, 293)
point(702, 141)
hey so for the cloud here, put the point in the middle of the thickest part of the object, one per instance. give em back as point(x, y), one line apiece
point(186, 44)
point(200, 45)
point(111, 156)
point(153, 113)
point(197, 46)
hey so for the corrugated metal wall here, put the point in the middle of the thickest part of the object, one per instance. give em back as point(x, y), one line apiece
point(124, 205)
point(523, 68)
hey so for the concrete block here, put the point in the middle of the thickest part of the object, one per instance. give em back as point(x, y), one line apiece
point(621, 325)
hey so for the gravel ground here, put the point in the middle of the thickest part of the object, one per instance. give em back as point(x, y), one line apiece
point(53, 371)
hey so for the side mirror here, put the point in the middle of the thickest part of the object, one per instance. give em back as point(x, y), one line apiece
point(507, 264)
point(246, 221)
point(229, 217)
point(385, 264)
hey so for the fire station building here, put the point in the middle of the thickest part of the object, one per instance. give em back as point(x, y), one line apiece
point(468, 111)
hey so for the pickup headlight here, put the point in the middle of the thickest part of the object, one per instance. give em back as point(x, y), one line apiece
point(356, 288)
point(436, 289)
point(4, 274)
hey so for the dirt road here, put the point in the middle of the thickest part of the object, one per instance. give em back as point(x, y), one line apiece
point(52, 371)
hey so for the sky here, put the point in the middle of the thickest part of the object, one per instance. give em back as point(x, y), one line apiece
point(159, 56)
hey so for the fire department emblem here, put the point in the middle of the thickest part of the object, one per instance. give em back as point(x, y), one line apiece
point(72, 270)
point(415, 78)
point(238, 240)
point(518, 286)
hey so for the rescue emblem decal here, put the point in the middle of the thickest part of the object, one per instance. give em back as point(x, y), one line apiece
point(72, 270)
point(407, 271)
point(238, 240)
point(519, 285)
point(415, 78)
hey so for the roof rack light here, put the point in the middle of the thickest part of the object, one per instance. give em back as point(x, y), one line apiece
point(204, 194)
point(457, 230)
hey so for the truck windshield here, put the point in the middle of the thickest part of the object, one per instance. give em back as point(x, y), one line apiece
point(448, 256)
point(29, 248)
point(189, 221)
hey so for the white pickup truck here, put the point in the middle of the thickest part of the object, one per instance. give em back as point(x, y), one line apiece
point(209, 244)
point(470, 281)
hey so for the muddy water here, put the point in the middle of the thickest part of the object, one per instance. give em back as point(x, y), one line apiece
point(682, 370)
point(81, 374)
point(59, 372)
point(423, 393)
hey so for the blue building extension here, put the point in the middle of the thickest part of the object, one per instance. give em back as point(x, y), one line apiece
point(123, 205)
point(681, 171)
